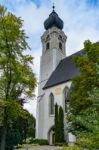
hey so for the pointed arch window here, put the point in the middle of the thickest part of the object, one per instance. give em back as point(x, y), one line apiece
point(51, 104)
point(66, 98)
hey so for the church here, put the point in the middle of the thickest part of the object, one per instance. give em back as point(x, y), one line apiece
point(56, 74)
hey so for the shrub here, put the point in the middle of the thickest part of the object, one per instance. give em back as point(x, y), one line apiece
point(40, 142)
point(19, 146)
point(89, 142)
point(61, 144)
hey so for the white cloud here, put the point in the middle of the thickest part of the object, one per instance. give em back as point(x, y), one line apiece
point(31, 107)
point(33, 21)
point(81, 22)
point(31, 104)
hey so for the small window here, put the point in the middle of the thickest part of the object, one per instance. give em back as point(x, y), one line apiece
point(47, 46)
point(51, 104)
point(60, 45)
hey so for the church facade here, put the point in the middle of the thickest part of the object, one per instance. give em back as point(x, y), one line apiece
point(56, 74)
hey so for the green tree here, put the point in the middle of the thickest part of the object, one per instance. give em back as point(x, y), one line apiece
point(19, 130)
point(56, 123)
point(84, 102)
point(29, 128)
point(61, 125)
point(16, 76)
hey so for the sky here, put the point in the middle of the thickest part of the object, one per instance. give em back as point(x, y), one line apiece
point(81, 22)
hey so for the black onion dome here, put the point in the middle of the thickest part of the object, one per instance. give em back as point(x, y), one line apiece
point(53, 20)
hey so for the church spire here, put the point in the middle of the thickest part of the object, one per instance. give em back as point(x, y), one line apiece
point(53, 20)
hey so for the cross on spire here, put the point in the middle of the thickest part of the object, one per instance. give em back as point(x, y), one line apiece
point(53, 7)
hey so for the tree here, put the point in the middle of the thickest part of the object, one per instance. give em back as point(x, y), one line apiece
point(16, 76)
point(61, 125)
point(29, 126)
point(19, 130)
point(84, 101)
point(56, 124)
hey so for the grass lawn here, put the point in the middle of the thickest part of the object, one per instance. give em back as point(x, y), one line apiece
point(72, 147)
point(26, 145)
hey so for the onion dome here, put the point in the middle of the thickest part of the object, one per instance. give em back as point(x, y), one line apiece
point(53, 20)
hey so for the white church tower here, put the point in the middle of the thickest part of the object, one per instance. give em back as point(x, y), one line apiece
point(53, 51)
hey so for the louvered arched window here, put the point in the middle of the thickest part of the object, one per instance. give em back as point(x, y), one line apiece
point(47, 46)
point(60, 45)
point(51, 104)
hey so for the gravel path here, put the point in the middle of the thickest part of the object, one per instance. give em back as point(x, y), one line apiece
point(42, 148)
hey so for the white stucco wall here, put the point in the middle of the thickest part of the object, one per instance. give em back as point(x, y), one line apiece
point(49, 60)
point(58, 96)
point(47, 120)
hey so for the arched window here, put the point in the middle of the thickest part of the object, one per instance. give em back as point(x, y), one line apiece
point(47, 46)
point(60, 45)
point(51, 104)
point(66, 97)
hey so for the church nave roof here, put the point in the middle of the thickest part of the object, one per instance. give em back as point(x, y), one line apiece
point(65, 71)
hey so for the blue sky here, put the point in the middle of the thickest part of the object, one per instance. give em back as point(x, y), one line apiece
point(81, 22)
